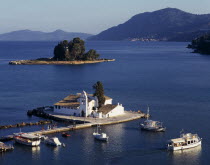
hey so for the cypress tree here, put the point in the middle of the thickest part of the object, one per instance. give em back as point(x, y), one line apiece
point(99, 92)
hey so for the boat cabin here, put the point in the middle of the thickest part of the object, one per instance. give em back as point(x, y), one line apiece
point(30, 137)
point(151, 123)
point(185, 139)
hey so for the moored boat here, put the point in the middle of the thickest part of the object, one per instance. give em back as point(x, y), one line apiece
point(65, 134)
point(151, 125)
point(185, 141)
point(4, 147)
point(27, 139)
point(54, 141)
point(6, 138)
point(100, 136)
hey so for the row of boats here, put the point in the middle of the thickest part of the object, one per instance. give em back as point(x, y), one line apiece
point(32, 140)
point(185, 141)
point(35, 140)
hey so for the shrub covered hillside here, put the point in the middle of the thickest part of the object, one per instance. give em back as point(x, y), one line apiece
point(201, 44)
point(73, 50)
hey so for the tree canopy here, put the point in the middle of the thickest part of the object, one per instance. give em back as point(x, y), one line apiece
point(99, 92)
point(73, 50)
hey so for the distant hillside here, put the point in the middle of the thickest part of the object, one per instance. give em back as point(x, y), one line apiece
point(168, 24)
point(28, 35)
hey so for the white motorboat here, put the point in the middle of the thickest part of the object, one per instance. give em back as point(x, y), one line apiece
point(151, 125)
point(54, 141)
point(42, 137)
point(185, 141)
point(100, 136)
point(4, 147)
point(27, 139)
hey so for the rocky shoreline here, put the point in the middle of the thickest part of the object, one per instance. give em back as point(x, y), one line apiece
point(41, 122)
point(52, 62)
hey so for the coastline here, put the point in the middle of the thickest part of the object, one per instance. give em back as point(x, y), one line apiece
point(49, 62)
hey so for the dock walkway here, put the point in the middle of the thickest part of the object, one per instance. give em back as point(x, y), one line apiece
point(89, 122)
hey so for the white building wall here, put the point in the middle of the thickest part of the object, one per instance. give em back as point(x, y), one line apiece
point(119, 110)
point(77, 111)
point(87, 107)
point(91, 104)
point(108, 102)
point(67, 111)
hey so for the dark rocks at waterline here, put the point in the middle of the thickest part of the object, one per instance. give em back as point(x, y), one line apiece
point(41, 122)
point(6, 138)
point(39, 112)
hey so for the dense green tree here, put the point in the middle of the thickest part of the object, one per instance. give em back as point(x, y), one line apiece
point(77, 48)
point(73, 50)
point(91, 55)
point(59, 52)
point(99, 92)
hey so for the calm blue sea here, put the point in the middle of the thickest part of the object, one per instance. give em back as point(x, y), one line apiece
point(164, 75)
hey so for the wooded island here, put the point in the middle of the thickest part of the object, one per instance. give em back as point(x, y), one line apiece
point(65, 52)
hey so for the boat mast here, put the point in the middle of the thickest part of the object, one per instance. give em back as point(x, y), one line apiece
point(97, 128)
point(147, 112)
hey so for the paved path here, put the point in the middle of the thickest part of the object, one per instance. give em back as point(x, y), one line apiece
point(128, 116)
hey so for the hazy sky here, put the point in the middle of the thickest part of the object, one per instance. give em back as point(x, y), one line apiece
point(90, 16)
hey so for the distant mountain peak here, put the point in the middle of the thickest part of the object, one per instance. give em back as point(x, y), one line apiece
point(59, 31)
point(29, 35)
point(164, 24)
point(170, 9)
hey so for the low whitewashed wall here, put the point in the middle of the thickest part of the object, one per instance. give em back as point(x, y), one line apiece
point(67, 111)
point(119, 110)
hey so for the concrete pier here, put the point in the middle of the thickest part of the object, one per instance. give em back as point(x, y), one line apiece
point(89, 122)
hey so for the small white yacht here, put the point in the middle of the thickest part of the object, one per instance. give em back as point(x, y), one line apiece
point(100, 136)
point(27, 139)
point(185, 141)
point(151, 125)
point(4, 147)
point(54, 141)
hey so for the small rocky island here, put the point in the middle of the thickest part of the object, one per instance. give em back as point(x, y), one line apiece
point(66, 53)
point(201, 44)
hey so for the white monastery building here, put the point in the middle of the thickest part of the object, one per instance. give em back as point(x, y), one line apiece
point(86, 105)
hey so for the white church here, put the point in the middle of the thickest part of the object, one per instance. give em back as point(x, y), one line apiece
point(86, 105)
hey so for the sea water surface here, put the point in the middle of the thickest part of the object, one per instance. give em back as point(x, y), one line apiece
point(174, 82)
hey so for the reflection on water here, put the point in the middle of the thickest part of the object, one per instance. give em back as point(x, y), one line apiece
point(56, 152)
point(114, 144)
point(188, 156)
point(35, 153)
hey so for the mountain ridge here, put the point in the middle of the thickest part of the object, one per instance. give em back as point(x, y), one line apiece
point(30, 35)
point(169, 24)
